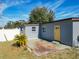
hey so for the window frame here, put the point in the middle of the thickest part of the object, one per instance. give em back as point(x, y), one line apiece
point(33, 28)
point(43, 29)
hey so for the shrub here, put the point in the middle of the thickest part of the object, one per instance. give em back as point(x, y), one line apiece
point(21, 40)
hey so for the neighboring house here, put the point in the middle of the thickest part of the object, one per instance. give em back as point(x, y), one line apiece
point(65, 31)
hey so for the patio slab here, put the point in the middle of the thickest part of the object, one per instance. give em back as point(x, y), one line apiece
point(40, 47)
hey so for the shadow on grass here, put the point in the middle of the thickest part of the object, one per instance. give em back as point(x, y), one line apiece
point(16, 45)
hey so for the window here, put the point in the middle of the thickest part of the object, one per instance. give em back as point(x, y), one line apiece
point(44, 30)
point(57, 27)
point(33, 28)
point(78, 38)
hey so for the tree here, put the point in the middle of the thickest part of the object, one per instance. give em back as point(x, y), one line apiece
point(40, 15)
point(15, 24)
point(19, 23)
point(9, 24)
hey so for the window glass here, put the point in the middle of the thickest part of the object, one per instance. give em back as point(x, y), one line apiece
point(44, 30)
point(33, 28)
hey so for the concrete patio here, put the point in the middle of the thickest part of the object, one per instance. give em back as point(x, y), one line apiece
point(41, 47)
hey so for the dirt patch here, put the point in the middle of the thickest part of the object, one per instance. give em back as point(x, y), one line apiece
point(43, 47)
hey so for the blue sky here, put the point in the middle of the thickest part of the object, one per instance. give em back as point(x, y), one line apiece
point(20, 9)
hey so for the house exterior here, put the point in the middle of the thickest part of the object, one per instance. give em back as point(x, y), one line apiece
point(31, 31)
point(65, 31)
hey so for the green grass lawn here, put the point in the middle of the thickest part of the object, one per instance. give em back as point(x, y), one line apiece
point(7, 51)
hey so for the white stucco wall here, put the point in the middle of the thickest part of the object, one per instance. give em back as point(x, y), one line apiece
point(75, 33)
point(8, 34)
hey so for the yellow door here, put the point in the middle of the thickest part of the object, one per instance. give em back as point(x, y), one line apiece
point(57, 32)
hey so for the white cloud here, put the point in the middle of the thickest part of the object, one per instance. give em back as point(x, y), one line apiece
point(2, 7)
point(4, 20)
point(56, 4)
point(23, 16)
point(9, 3)
point(68, 10)
point(47, 4)
point(70, 13)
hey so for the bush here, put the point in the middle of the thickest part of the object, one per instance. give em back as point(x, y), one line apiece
point(21, 40)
